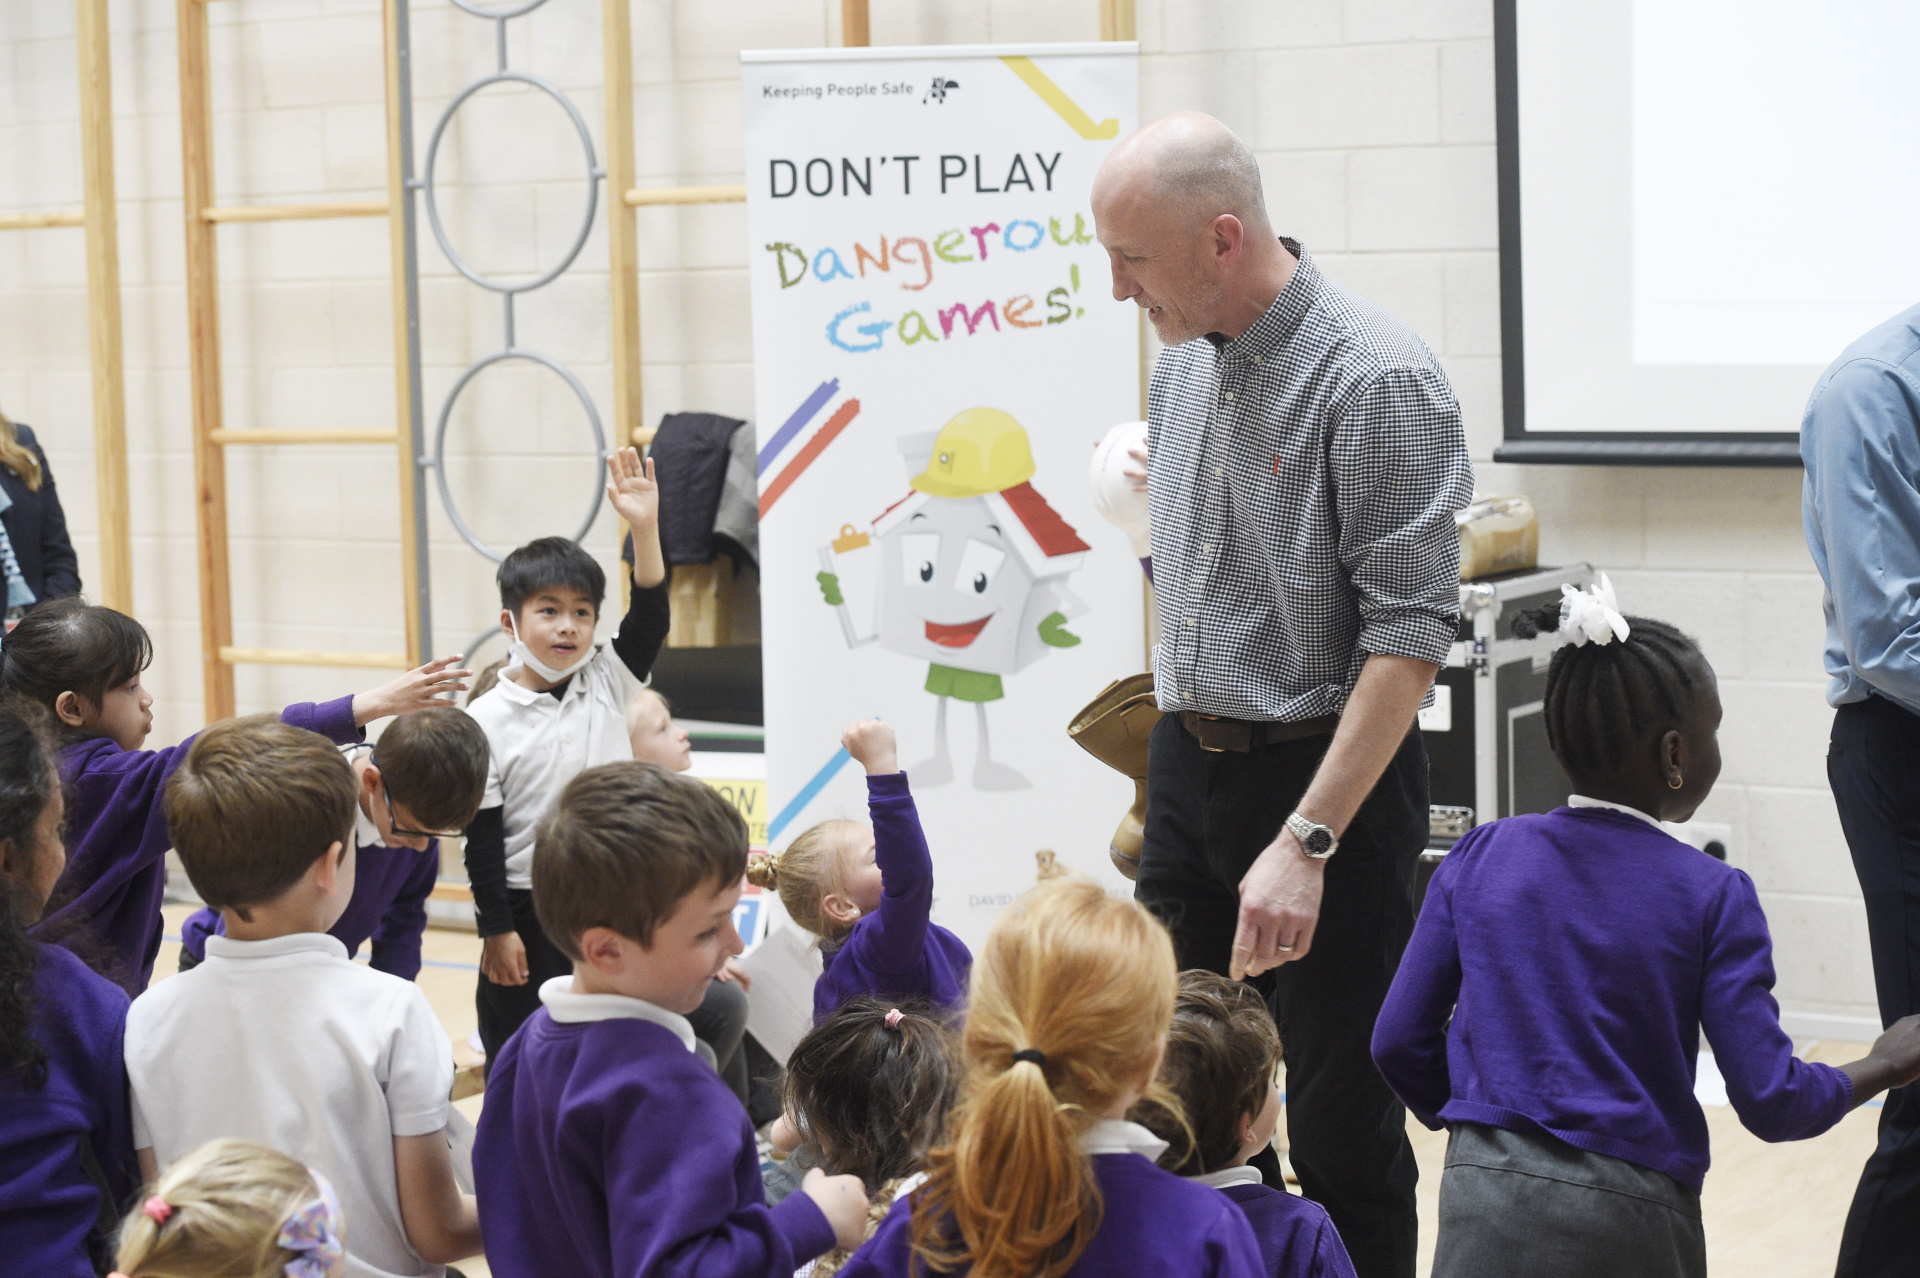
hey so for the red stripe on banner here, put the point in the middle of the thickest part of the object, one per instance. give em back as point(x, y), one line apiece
point(808, 453)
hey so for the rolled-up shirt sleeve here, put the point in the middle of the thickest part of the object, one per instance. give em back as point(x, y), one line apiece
point(1401, 472)
point(1861, 443)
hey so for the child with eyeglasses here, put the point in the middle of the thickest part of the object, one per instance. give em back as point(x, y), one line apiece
point(420, 783)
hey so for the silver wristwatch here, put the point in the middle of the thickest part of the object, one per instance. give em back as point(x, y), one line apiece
point(1316, 840)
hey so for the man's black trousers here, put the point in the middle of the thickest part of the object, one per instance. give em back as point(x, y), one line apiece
point(1873, 765)
point(1208, 816)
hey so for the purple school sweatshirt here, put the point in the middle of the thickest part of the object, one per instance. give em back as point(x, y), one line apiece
point(1296, 1236)
point(389, 904)
point(896, 952)
point(105, 907)
point(607, 1149)
point(1578, 954)
point(1153, 1223)
point(48, 1200)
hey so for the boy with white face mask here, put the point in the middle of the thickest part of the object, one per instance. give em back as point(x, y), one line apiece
point(558, 709)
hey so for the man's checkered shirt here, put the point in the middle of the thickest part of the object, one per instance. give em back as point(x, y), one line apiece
point(1303, 483)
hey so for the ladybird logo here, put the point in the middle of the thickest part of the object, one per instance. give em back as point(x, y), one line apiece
point(938, 93)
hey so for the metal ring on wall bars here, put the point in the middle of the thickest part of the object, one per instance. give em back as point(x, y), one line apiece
point(438, 460)
point(594, 174)
point(497, 15)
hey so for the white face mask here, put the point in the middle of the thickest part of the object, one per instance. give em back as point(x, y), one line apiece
point(524, 655)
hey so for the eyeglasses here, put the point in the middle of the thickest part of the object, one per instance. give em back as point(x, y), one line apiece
point(395, 826)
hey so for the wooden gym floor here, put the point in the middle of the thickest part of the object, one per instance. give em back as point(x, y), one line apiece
point(1772, 1211)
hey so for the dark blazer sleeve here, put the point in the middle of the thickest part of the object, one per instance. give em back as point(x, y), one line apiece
point(59, 567)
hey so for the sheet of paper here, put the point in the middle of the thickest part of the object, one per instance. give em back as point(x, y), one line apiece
point(780, 1005)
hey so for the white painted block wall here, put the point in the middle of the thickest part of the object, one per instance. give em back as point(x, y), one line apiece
point(1374, 124)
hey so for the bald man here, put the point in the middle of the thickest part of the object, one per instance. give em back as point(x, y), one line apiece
point(1306, 460)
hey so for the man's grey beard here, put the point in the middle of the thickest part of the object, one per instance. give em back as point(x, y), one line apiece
point(1203, 299)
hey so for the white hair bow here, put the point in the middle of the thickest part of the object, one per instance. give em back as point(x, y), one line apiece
point(1591, 616)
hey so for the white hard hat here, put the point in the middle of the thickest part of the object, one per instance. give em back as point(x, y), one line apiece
point(1113, 493)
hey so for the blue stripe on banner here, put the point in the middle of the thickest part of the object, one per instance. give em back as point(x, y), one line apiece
point(807, 792)
point(796, 423)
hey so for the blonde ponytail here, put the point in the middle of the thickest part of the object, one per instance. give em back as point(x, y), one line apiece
point(1084, 982)
point(763, 871)
point(220, 1211)
point(17, 457)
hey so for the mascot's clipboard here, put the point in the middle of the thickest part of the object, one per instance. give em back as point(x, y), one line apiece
point(853, 560)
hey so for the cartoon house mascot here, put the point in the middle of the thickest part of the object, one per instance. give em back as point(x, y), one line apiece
point(972, 575)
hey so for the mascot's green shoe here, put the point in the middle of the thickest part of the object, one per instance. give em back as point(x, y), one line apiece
point(1114, 729)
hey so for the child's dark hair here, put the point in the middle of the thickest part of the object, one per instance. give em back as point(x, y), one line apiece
point(1603, 699)
point(873, 1098)
point(69, 645)
point(624, 845)
point(1221, 1054)
point(256, 802)
point(29, 780)
point(545, 563)
point(433, 763)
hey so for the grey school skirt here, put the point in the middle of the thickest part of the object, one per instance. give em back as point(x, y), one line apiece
point(1514, 1205)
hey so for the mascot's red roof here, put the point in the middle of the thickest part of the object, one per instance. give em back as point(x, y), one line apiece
point(1043, 523)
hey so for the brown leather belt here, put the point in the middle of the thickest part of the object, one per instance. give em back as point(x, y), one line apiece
point(1242, 735)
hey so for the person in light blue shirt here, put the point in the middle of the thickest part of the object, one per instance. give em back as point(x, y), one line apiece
point(1860, 441)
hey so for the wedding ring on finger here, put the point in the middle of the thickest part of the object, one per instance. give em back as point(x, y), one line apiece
point(1284, 949)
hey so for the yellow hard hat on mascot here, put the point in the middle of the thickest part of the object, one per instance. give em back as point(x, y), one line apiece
point(977, 452)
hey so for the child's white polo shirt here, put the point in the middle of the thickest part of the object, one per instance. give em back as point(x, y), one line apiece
point(290, 1044)
point(540, 742)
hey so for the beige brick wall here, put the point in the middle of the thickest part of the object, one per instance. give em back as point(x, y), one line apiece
point(1374, 124)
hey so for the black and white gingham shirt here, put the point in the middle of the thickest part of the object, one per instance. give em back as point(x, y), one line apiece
point(1303, 483)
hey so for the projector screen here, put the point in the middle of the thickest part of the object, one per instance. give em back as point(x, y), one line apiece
point(1702, 202)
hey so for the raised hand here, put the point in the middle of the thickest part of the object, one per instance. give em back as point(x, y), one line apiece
point(872, 743)
point(433, 684)
point(631, 488)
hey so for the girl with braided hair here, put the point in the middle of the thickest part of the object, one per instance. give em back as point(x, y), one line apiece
point(1548, 1008)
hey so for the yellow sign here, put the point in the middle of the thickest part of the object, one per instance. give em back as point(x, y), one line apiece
point(750, 798)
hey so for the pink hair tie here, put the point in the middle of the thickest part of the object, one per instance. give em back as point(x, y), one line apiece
point(157, 1210)
point(894, 1017)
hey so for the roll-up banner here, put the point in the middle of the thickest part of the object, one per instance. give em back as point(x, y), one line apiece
point(936, 352)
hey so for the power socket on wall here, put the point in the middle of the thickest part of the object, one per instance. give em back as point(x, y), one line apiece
point(1711, 837)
